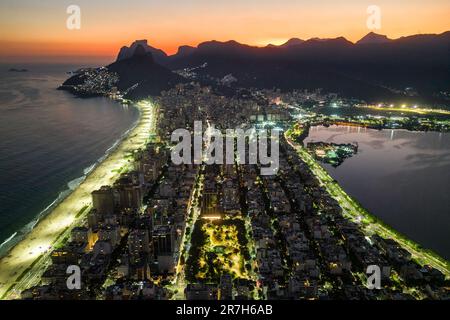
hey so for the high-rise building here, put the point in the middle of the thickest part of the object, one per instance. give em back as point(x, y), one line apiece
point(103, 200)
point(163, 238)
point(110, 233)
point(138, 244)
point(130, 191)
point(84, 235)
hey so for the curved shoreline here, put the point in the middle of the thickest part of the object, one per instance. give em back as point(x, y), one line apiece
point(20, 234)
point(56, 225)
point(376, 225)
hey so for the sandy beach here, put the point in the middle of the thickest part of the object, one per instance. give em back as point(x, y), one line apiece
point(19, 269)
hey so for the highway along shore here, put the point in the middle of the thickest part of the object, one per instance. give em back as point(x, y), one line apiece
point(24, 264)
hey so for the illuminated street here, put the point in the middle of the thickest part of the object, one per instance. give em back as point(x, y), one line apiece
point(354, 211)
point(409, 109)
point(39, 243)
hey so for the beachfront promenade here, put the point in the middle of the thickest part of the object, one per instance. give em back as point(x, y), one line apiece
point(356, 213)
point(25, 263)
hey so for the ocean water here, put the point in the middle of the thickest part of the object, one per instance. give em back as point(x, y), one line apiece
point(49, 141)
point(400, 176)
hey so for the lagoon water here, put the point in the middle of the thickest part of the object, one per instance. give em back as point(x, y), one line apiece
point(49, 140)
point(400, 176)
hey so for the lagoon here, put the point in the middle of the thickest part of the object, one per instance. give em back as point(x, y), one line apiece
point(400, 176)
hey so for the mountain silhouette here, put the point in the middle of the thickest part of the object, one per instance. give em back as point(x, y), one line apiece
point(139, 75)
point(373, 37)
point(291, 42)
point(375, 67)
point(184, 51)
point(142, 69)
point(127, 52)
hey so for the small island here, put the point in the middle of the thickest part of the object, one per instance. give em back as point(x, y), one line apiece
point(17, 70)
point(332, 153)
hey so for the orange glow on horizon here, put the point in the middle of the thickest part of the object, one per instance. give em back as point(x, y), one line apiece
point(31, 30)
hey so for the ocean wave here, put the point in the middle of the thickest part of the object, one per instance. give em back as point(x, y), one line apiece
point(8, 240)
point(73, 184)
point(88, 170)
point(18, 236)
point(15, 238)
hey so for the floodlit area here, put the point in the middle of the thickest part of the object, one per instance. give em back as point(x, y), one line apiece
point(405, 108)
point(221, 249)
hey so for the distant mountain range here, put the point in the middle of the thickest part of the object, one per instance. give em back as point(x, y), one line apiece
point(374, 67)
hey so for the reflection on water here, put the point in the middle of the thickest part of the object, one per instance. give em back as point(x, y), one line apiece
point(400, 176)
point(48, 140)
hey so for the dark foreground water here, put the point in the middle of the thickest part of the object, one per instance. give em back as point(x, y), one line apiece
point(49, 140)
point(401, 177)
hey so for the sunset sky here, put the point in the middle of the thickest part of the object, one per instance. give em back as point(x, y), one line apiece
point(32, 30)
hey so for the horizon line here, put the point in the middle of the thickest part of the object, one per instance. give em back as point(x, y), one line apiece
point(102, 56)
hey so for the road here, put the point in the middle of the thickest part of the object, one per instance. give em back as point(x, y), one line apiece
point(179, 282)
point(352, 210)
point(19, 269)
point(422, 111)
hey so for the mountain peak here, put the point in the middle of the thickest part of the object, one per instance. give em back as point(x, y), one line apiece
point(292, 42)
point(289, 43)
point(139, 51)
point(320, 42)
point(373, 37)
point(184, 50)
point(127, 52)
point(142, 43)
